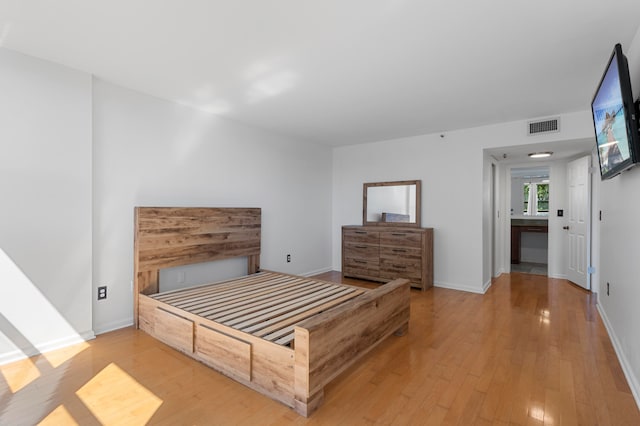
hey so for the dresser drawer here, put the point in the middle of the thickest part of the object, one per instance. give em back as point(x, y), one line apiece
point(361, 267)
point(384, 253)
point(361, 236)
point(401, 268)
point(393, 253)
point(361, 251)
point(401, 239)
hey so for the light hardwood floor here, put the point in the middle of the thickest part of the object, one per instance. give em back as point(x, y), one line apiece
point(532, 350)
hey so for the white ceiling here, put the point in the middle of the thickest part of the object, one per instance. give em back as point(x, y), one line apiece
point(562, 150)
point(337, 72)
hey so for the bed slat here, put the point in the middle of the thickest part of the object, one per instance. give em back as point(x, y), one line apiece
point(305, 314)
point(271, 299)
point(247, 322)
point(267, 304)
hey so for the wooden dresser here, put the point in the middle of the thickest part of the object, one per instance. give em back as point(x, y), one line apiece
point(381, 253)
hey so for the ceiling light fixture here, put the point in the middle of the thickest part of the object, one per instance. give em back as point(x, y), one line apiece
point(540, 154)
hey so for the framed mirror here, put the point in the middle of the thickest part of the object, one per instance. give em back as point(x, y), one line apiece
point(391, 203)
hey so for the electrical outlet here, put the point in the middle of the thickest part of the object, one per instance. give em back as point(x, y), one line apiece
point(102, 292)
point(288, 258)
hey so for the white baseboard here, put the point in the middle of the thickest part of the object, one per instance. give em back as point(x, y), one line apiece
point(558, 276)
point(317, 272)
point(41, 348)
point(114, 325)
point(458, 287)
point(624, 363)
point(486, 286)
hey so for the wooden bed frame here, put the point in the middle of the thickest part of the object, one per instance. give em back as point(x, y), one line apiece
point(323, 346)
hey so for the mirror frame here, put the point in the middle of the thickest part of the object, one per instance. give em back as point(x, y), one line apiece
point(417, 183)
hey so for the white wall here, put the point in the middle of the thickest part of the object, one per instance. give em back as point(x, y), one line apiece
point(455, 202)
point(150, 152)
point(45, 215)
point(620, 254)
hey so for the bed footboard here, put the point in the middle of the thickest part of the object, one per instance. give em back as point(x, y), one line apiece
point(331, 342)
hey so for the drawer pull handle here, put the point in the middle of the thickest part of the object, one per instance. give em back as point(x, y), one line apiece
point(395, 234)
point(400, 266)
point(359, 261)
point(362, 247)
point(399, 250)
point(360, 232)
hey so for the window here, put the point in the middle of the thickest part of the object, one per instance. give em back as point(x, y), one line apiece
point(536, 199)
point(543, 198)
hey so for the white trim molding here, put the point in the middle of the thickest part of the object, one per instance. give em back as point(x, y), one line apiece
point(624, 363)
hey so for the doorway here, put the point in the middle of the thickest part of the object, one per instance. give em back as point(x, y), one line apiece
point(530, 189)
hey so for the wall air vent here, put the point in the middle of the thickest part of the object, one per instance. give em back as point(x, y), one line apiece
point(548, 125)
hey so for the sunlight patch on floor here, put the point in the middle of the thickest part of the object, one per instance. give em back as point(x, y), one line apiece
point(60, 356)
point(114, 396)
point(59, 416)
point(20, 374)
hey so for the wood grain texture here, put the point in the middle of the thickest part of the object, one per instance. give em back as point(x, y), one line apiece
point(382, 254)
point(532, 351)
point(240, 327)
point(226, 353)
point(174, 330)
point(166, 237)
point(237, 327)
point(329, 343)
point(270, 371)
point(265, 304)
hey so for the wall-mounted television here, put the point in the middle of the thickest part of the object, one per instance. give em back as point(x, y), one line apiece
point(615, 118)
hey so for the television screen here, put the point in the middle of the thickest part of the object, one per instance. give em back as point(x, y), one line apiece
point(614, 118)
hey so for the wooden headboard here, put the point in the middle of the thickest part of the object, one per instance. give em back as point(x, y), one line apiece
point(165, 237)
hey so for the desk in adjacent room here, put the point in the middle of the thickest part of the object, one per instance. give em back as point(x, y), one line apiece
point(518, 226)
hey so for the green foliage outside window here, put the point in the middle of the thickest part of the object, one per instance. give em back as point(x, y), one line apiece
point(542, 197)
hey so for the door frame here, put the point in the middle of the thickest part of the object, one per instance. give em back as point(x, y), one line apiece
point(505, 192)
point(507, 221)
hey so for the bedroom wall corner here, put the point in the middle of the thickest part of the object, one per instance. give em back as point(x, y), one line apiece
point(45, 219)
point(152, 152)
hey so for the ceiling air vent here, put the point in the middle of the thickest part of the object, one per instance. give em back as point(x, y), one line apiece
point(548, 125)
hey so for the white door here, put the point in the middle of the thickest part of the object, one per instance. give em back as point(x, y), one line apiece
point(579, 181)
